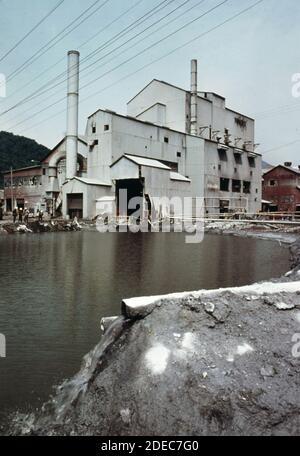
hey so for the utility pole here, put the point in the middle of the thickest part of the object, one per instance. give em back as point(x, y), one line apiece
point(11, 189)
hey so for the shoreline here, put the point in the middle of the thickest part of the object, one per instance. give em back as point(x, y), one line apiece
point(280, 233)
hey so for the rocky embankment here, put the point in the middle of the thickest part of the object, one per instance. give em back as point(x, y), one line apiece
point(39, 227)
point(224, 362)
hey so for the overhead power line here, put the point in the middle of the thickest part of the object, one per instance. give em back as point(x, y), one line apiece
point(127, 29)
point(50, 44)
point(127, 49)
point(133, 57)
point(54, 65)
point(32, 30)
point(193, 40)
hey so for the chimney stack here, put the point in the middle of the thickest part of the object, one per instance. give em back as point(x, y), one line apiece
point(72, 114)
point(194, 98)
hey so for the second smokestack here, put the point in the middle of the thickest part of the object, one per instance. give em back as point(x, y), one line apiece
point(194, 97)
point(72, 114)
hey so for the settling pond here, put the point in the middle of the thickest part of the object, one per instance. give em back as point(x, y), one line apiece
point(54, 289)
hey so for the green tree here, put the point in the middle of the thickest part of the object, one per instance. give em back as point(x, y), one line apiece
point(18, 152)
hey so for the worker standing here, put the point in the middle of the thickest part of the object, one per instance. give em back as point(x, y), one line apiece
point(20, 215)
point(15, 213)
point(26, 216)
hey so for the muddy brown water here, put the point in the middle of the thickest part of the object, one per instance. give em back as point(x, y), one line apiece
point(55, 287)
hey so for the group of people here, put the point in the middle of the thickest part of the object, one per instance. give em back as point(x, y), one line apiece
point(23, 214)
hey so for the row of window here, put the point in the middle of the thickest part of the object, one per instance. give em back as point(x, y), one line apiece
point(23, 181)
point(94, 128)
point(284, 182)
point(237, 186)
point(284, 199)
point(238, 158)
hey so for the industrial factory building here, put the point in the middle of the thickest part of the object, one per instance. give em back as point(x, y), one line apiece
point(39, 187)
point(172, 143)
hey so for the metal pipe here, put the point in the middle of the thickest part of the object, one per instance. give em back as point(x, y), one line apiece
point(194, 97)
point(72, 114)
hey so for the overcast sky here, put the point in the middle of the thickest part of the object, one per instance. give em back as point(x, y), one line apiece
point(250, 61)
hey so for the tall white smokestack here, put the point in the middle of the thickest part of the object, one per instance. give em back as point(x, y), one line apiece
point(194, 98)
point(72, 114)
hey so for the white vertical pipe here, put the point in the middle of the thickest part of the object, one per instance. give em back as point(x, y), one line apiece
point(72, 114)
point(194, 98)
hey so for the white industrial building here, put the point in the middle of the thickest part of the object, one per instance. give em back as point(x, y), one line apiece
point(172, 143)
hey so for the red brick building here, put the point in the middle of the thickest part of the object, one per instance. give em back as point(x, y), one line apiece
point(281, 188)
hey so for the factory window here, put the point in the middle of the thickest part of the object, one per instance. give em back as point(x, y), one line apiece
point(236, 186)
point(273, 183)
point(222, 155)
point(178, 154)
point(166, 140)
point(44, 172)
point(238, 159)
point(106, 127)
point(94, 129)
point(247, 187)
point(224, 184)
point(251, 162)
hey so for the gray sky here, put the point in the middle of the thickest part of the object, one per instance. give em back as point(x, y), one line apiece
point(250, 61)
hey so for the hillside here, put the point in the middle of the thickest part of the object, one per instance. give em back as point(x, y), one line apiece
point(18, 152)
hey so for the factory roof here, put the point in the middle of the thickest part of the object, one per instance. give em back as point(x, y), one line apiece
point(87, 181)
point(143, 161)
point(289, 168)
point(27, 168)
point(201, 94)
point(179, 177)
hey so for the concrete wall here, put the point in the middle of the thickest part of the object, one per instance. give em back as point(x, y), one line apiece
point(215, 169)
point(197, 158)
point(90, 194)
point(157, 114)
point(129, 136)
point(174, 98)
point(212, 112)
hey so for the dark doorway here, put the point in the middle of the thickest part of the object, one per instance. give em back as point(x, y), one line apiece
point(224, 206)
point(134, 188)
point(273, 208)
point(8, 205)
point(75, 205)
point(20, 203)
point(149, 206)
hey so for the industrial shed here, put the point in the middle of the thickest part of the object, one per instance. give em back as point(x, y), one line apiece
point(152, 180)
point(80, 196)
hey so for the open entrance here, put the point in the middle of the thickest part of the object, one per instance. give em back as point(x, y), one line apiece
point(298, 208)
point(20, 203)
point(149, 206)
point(75, 205)
point(128, 189)
point(273, 208)
point(9, 205)
point(224, 206)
